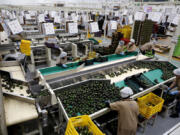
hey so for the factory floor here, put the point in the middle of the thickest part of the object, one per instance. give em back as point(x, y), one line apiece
point(160, 126)
point(173, 61)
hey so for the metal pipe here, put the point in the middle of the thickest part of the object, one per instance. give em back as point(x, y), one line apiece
point(63, 110)
point(3, 128)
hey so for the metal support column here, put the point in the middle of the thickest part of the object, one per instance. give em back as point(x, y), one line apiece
point(48, 56)
point(105, 19)
point(3, 128)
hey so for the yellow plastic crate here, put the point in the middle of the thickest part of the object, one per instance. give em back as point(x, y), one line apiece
point(91, 55)
point(150, 104)
point(100, 41)
point(79, 121)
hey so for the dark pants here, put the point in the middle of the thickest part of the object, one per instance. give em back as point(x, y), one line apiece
point(177, 108)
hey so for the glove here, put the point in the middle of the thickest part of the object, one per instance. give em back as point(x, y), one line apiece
point(107, 103)
point(174, 92)
point(64, 65)
point(122, 53)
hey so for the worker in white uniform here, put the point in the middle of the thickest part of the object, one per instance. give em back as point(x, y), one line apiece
point(128, 111)
point(62, 59)
point(131, 47)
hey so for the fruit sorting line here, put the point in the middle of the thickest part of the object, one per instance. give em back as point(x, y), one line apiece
point(52, 74)
point(117, 70)
point(14, 87)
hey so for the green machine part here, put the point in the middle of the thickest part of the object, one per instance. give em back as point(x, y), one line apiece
point(75, 65)
point(177, 49)
point(120, 84)
point(154, 74)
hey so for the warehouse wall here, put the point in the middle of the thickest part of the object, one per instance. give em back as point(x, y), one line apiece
point(25, 2)
point(17, 2)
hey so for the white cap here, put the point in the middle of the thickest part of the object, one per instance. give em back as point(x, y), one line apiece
point(132, 41)
point(63, 54)
point(126, 92)
point(177, 71)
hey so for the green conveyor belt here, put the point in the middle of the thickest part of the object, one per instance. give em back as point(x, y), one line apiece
point(52, 70)
point(120, 84)
point(151, 75)
point(154, 74)
point(116, 56)
point(71, 66)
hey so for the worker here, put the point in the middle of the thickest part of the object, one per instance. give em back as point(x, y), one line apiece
point(155, 31)
point(122, 48)
point(131, 47)
point(147, 48)
point(62, 59)
point(176, 83)
point(128, 112)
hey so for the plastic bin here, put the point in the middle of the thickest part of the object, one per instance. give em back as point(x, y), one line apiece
point(79, 121)
point(150, 104)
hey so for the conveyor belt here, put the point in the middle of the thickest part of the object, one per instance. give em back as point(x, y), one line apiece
point(88, 69)
point(52, 70)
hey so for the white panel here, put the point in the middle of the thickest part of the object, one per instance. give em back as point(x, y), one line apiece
point(94, 27)
point(139, 16)
point(48, 28)
point(15, 27)
point(72, 28)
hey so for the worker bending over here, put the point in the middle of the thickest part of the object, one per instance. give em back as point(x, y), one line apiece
point(62, 59)
point(131, 47)
point(147, 49)
point(122, 48)
point(176, 83)
point(128, 112)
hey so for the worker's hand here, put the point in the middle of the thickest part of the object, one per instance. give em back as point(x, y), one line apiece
point(64, 65)
point(107, 102)
point(167, 90)
point(122, 53)
point(175, 92)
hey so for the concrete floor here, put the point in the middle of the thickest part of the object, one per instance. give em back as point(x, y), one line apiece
point(160, 126)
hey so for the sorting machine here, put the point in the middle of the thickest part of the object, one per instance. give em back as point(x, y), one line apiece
point(40, 97)
point(57, 79)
